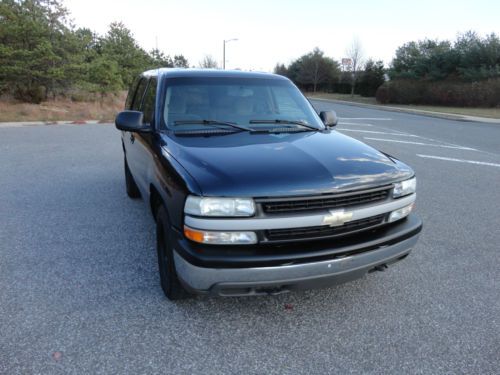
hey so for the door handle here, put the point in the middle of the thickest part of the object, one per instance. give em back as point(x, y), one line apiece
point(132, 138)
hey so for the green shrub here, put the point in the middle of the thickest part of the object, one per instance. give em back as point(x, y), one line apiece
point(445, 93)
point(382, 94)
point(83, 93)
point(371, 78)
point(31, 94)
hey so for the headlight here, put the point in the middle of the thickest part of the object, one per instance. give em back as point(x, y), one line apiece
point(401, 213)
point(206, 206)
point(404, 188)
point(220, 238)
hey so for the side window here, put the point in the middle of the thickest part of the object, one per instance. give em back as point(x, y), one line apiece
point(131, 92)
point(139, 94)
point(148, 105)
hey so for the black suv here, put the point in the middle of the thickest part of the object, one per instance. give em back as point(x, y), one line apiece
point(252, 191)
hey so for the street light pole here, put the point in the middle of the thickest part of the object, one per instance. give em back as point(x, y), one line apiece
point(224, 51)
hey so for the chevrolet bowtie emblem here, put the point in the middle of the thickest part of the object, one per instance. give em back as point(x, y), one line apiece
point(337, 218)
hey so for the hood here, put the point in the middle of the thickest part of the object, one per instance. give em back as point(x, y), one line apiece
point(285, 164)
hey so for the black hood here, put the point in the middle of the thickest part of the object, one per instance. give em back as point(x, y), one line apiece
point(285, 164)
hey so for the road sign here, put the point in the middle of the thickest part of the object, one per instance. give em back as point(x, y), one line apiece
point(346, 61)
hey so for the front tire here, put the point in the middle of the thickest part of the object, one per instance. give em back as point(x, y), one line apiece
point(132, 189)
point(168, 276)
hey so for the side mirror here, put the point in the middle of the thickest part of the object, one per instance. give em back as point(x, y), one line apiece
point(329, 118)
point(131, 121)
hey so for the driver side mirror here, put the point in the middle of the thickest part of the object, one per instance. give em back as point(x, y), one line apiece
point(329, 118)
point(131, 121)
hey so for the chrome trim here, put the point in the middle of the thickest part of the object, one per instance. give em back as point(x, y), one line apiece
point(283, 222)
point(202, 279)
point(339, 194)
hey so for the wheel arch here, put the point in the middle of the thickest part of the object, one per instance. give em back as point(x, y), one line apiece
point(155, 200)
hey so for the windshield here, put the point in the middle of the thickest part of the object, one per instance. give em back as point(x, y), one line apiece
point(194, 103)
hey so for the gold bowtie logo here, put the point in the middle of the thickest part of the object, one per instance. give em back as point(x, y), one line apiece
point(337, 218)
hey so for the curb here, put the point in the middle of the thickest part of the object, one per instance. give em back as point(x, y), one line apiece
point(447, 116)
point(38, 123)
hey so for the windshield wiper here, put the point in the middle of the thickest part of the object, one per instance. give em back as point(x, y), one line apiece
point(279, 121)
point(212, 122)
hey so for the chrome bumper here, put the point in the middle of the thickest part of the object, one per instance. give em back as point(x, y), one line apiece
point(278, 279)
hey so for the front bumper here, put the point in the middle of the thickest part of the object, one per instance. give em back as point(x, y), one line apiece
point(237, 281)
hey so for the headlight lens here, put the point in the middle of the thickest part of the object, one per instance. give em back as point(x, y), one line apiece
point(404, 188)
point(220, 238)
point(401, 213)
point(206, 206)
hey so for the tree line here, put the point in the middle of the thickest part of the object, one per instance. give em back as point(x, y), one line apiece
point(468, 58)
point(464, 72)
point(316, 72)
point(42, 55)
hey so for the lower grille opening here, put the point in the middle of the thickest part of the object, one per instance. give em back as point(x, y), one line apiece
point(323, 230)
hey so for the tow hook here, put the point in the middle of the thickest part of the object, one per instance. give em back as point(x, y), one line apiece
point(274, 291)
point(380, 268)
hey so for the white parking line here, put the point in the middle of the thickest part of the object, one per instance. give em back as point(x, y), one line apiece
point(367, 118)
point(394, 132)
point(376, 132)
point(354, 123)
point(459, 160)
point(420, 143)
point(424, 138)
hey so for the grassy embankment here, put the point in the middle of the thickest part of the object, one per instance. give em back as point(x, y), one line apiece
point(481, 112)
point(91, 107)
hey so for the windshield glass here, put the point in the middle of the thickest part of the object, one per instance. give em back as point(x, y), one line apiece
point(240, 101)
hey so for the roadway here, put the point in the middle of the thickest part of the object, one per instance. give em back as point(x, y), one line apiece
point(79, 289)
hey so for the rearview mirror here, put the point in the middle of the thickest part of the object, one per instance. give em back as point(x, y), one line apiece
point(131, 121)
point(329, 118)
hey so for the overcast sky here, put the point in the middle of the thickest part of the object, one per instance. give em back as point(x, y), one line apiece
point(271, 31)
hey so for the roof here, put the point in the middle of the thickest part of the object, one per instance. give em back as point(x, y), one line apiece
point(181, 72)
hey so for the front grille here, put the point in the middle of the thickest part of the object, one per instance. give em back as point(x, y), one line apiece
point(323, 230)
point(326, 201)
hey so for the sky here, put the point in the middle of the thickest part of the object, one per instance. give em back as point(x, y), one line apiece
point(279, 31)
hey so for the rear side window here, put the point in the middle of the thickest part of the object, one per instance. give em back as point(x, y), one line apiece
point(131, 92)
point(136, 103)
point(148, 106)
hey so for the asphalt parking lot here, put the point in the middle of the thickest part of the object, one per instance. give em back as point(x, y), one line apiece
point(79, 287)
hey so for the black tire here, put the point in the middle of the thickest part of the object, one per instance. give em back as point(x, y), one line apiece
point(168, 277)
point(132, 189)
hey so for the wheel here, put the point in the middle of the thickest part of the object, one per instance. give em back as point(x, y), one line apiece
point(168, 277)
point(131, 186)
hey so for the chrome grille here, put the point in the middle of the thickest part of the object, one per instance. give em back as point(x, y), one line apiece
point(323, 202)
